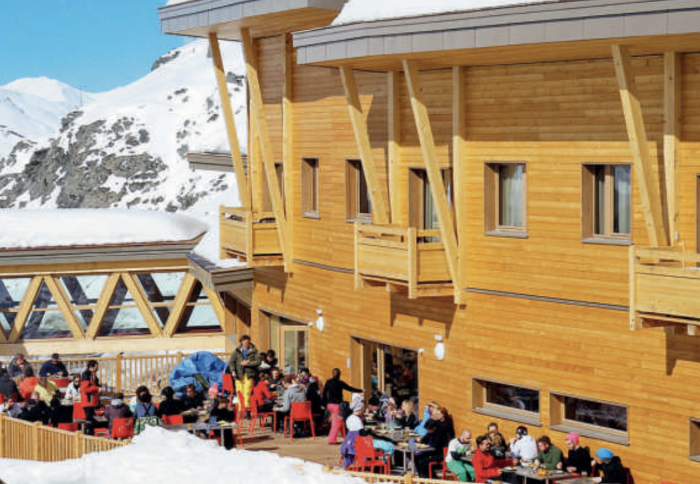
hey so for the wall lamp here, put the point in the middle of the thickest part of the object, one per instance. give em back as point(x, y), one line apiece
point(320, 323)
point(439, 348)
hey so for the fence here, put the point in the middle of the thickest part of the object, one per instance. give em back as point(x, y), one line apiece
point(126, 373)
point(371, 478)
point(34, 441)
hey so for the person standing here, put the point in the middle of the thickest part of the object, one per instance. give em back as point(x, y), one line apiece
point(457, 451)
point(90, 394)
point(53, 367)
point(244, 364)
point(332, 398)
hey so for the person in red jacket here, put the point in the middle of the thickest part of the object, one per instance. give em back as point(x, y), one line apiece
point(262, 395)
point(483, 461)
point(90, 394)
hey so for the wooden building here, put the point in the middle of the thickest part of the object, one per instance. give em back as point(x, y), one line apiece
point(495, 209)
point(92, 281)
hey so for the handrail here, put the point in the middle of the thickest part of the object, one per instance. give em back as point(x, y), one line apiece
point(240, 214)
point(665, 254)
point(390, 232)
point(372, 478)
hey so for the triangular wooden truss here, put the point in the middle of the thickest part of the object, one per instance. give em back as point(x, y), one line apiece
point(137, 292)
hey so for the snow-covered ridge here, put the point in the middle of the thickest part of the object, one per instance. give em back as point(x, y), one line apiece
point(23, 229)
point(368, 10)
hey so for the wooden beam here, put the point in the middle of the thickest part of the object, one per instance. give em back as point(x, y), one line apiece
point(258, 110)
point(672, 139)
point(179, 303)
point(459, 165)
point(25, 308)
point(227, 111)
point(396, 192)
point(64, 305)
point(427, 144)
point(289, 167)
point(380, 212)
point(102, 305)
point(217, 305)
point(141, 301)
point(648, 185)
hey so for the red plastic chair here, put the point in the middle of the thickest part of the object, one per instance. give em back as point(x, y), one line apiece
point(241, 411)
point(173, 420)
point(61, 382)
point(78, 411)
point(228, 386)
point(300, 412)
point(2, 398)
point(70, 427)
point(122, 428)
point(260, 417)
point(446, 473)
point(367, 457)
point(503, 463)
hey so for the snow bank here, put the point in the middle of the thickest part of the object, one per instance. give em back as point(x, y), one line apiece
point(69, 227)
point(367, 10)
point(158, 456)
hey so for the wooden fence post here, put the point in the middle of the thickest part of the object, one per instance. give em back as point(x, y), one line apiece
point(76, 444)
point(179, 357)
point(118, 371)
point(2, 436)
point(35, 440)
point(408, 478)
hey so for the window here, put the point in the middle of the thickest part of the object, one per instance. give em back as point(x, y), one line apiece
point(422, 210)
point(695, 439)
point(592, 418)
point(310, 187)
point(11, 295)
point(357, 199)
point(504, 400)
point(504, 198)
point(606, 201)
point(290, 340)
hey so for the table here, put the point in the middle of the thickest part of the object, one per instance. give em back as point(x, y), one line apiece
point(206, 426)
point(399, 439)
point(404, 449)
point(530, 475)
point(577, 480)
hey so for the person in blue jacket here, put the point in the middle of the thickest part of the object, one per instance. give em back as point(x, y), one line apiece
point(53, 367)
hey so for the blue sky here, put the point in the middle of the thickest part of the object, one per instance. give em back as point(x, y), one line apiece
point(95, 45)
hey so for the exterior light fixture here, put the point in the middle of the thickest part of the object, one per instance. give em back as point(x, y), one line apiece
point(319, 320)
point(439, 348)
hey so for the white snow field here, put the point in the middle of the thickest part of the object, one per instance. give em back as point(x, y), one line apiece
point(159, 456)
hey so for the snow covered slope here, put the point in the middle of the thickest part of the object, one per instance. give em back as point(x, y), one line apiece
point(31, 108)
point(367, 10)
point(127, 148)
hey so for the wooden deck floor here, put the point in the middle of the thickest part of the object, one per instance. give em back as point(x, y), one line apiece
point(304, 448)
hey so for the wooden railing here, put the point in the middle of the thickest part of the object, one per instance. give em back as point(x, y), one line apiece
point(34, 441)
point(251, 236)
point(126, 373)
point(371, 478)
point(401, 256)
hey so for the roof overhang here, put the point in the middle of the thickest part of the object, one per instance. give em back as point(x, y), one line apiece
point(214, 162)
point(542, 32)
point(264, 18)
point(97, 254)
point(236, 281)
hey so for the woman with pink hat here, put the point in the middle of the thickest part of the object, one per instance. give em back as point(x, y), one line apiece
point(579, 460)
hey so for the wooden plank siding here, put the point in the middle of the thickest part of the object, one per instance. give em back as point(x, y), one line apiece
point(554, 117)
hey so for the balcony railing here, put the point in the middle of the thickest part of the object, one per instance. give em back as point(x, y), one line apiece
point(665, 287)
point(250, 236)
point(402, 258)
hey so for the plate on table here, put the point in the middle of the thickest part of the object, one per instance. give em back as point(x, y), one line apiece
point(510, 469)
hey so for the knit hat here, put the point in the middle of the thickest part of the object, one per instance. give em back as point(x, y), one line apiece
point(357, 405)
point(604, 454)
point(573, 438)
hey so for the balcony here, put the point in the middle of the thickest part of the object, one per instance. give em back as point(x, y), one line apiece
point(402, 258)
point(665, 288)
point(250, 236)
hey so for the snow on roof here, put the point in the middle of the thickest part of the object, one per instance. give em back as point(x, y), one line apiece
point(368, 10)
point(159, 456)
point(22, 229)
point(208, 248)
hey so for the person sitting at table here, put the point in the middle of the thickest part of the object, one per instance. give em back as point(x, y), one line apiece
point(73, 389)
point(313, 395)
point(611, 466)
point(145, 407)
point(53, 367)
point(117, 409)
point(11, 407)
point(269, 361)
point(46, 389)
point(293, 392)
point(422, 429)
point(192, 400)
point(57, 412)
point(523, 446)
point(223, 412)
point(407, 415)
point(353, 425)
point(7, 385)
point(373, 411)
point(275, 384)
point(579, 459)
point(483, 461)
point(439, 435)
point(549, 454)
point(35, 409)
point(498, 442)
point(262, 395)
point(169, 405)
point(16, 366)
point(29, 382)
point(458, 451)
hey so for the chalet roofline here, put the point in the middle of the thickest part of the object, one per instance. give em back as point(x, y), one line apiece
point(510, 26)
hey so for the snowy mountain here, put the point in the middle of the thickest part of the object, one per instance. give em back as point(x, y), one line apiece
point(32, 108)
point(127, 147)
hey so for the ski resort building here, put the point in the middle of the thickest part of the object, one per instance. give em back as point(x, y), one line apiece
point(493, 209)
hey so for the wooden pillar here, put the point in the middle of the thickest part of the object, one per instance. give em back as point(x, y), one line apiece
point(672, 136)
point(3, 431)
point(230, 306)
point(396, 186)
point(227, 111)
point(427, 142)
point(118, 367)
point(459, 165)
point(289, 166)
point(648, 184)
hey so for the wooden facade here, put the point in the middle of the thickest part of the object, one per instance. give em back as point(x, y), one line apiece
point(542, 305)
